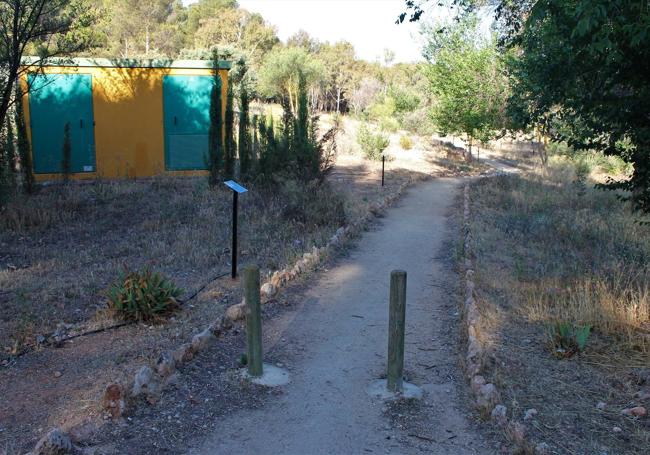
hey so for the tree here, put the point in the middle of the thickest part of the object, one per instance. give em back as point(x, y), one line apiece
point(467, 81)
point(140, 28)
point(279, 74)
point(247, 32)
point(339, 61)
point(583, 74)
point(215, 132)
point(48, 28)
point(229, 131)
point(245, 152)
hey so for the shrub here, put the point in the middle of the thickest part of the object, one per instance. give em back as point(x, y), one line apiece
point(406, 142)
point(143, 296)
point(568, 339)
point(373, 145)
point(313, 204)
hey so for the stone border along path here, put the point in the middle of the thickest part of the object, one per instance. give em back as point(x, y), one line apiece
point(150, 381)
point(488, 398)
point(334, 343)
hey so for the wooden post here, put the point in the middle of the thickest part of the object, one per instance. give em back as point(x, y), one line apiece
point(253, 320)
point(396, 323)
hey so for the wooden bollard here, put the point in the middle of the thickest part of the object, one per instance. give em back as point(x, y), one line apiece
point(253, 320)
point(396, 325)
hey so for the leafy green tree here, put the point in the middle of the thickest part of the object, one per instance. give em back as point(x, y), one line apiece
point(467, 81)
point(247, 32)
point(141, 28)
point(279, 74)
point(48, 28)
point(583, 75)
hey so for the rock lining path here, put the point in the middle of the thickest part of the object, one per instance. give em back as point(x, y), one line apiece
point(335, 343)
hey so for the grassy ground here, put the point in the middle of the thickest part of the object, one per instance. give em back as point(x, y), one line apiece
point(552, 251)
point(62, 247)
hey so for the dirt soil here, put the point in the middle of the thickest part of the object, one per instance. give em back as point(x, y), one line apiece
point(50, 386)
point(334, 347)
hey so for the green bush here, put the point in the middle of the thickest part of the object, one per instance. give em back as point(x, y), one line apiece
point(143, 296)
point(389, 124)
point(372, 145)
point(568, 339)
point(406, 142)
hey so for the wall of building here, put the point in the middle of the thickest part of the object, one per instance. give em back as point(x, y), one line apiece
point(128, 114)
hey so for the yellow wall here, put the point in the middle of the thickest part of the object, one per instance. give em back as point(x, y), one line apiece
point(128, 114)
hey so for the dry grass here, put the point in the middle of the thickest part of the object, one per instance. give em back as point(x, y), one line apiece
point(60, 249)
point(549, 252)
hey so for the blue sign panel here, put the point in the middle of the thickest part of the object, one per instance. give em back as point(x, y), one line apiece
point(235, 186)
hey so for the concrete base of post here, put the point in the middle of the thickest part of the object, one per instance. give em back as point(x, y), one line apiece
point(272, 376)
point(379, 389)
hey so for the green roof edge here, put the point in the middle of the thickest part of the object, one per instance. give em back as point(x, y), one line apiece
point(124, 63)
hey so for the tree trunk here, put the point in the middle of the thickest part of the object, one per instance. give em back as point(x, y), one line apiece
point(338, 100)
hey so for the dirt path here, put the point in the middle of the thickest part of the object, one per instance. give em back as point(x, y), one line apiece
point(334, 345)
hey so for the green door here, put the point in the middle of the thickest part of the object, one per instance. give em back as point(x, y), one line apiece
point(186, 102)
point(54, 100)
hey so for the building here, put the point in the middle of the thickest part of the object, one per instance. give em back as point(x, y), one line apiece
point(127, 118)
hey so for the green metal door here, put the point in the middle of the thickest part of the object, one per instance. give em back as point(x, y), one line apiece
point(186, 101)
point(54, 100)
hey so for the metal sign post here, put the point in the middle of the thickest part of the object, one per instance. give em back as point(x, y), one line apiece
point(236, 190)
point(383, 163)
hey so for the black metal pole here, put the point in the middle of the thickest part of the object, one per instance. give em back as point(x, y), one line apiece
point(234, 234)
point(383, 161)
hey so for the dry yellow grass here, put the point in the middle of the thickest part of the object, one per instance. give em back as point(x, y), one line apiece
point(550, 249)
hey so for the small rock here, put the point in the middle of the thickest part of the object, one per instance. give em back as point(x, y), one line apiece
point(83, 432)
point(517, 432)
point(637, 411)
point(236, 312)
point(617, 430)
point(113, 400)
point(601, 405)
point(166, 364)
point(201, 340)
point(56, 442)
point(58, 374)
point(144, 384)
point(477, 382)
point(530, 414)
point(499, 415)
point(488, 397)
point(268, 290)
point(642, 395)
point(217, 327)
point(542, 449)
point(183, 354)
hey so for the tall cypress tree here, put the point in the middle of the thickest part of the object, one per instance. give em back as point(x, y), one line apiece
point(215, 133)
point(229, 144)
point(244, 140)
